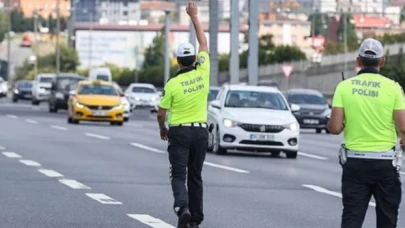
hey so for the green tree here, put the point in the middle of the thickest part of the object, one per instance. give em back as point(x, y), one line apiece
point(402, 18)
point(3, 26)
point(394, 67)
point(346, 21)
point(319, 24)
point(154, 54)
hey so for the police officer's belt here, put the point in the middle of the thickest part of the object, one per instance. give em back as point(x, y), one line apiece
point(205, 125)
point(382, 155)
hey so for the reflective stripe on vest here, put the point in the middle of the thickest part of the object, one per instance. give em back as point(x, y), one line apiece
point(385, 155)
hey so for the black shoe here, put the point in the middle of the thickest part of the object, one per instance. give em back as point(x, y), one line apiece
point(193, 225)
point(184, 218)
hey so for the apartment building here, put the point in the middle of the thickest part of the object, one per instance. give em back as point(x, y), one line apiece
point(363, 6)
point(44, 7)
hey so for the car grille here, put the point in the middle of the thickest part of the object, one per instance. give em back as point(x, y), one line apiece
point(311, 112)
point(99, 107)
point(261, 128)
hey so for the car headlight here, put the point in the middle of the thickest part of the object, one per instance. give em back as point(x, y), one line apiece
point(59, 95)
point(230, 123)
point(118, 106)
point(78, 105)
point(326, 112)
point(293, 126)
point(153, 99)
point(41, 90)
point(137, 98)
point(16, 91)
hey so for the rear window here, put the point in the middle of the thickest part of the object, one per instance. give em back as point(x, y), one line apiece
point(143, 90)
point(103, 77)
point(24, 85)
point(45, 79)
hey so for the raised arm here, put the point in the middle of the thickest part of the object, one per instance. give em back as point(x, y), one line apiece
point(192, 11)
point(399, 111)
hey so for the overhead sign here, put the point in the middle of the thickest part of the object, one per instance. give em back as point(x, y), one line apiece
point(287, 69)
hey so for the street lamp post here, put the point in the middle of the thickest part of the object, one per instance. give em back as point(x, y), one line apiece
point(167, 48)
point(57, 37)
point(9, 41)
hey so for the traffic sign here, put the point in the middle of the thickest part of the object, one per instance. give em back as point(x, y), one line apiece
point(287, 69)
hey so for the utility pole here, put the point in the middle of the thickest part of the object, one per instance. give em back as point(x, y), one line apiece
point(91, 39)
point(167, 48)
point(253, 61)
point(57, 37)
point(234, 60)
point(213, 41)
point(9, 40)
point(345, 39)
point(35, 40)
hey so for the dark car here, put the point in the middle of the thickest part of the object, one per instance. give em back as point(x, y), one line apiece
point(314, 108)
point(22, 90)
point(212, 95)
point(61, 86)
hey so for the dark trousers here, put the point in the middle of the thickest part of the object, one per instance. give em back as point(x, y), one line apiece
point(363, 178)
point(187, 149)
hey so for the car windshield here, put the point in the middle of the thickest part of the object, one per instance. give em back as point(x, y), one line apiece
point(306, 99)
point(24, 85)
point(67, 84)
point(97, 90)
point(143, 90)
point(45, 79)
point(253, 99)
point(212, 94)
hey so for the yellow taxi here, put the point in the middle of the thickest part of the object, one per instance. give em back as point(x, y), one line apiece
point(95, 101)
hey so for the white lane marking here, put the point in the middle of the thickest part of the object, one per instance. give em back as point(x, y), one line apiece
point(11, 155)
point(328, 192)
point(312, 156)
point(150, 221)
point(12, 116)
point(226, 167)
point(30, 163)
point(104, 199)
point(97, 136)
point(31, 121)
point(50, 173)
point(59, 127)
point(147, 148)
point(135, 125)
point(74, 184)
point(2, 148)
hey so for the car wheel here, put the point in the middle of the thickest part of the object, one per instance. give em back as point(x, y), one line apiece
point(69, 120)
point(217, 149)
point(120, 123)
point(35, 102)
point(318, 130)
point(292, 154)
point(126, 119)
point(52, 108)
point(112, 123)
point(15, 100)
point(327, 131)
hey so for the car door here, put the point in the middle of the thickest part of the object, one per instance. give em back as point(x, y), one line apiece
point(214, 113)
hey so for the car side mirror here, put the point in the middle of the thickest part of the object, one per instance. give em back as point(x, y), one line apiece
point(215, 104)
point(295, 108)
point(72, 93)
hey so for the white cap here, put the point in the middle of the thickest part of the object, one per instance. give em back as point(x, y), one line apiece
point(185, 49)
point(373, 46)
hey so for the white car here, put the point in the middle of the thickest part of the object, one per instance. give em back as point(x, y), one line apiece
point(41, 88)
point(124, 101)
point(253, 118)
point(142, 95)
point(3, 88)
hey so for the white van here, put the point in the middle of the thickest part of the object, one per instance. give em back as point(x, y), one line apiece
point(101, 73)
point(41, 88)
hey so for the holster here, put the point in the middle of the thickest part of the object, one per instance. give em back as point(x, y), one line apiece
point(397, 162)
point(210, 141)
point(342, 155)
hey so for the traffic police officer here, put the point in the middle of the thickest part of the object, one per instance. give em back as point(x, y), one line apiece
point(369, 108)
point(185, 95)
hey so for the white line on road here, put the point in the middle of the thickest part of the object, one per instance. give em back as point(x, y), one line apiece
point(2, 148)
point(12, 116)
point(135, 125)
point(74, 184)
point(150, 221)
point(326, 191)
point(97, 136)
point(147, 148)
point(226, 167)
point(11, 155)
point(50, 173)
point(30, 163)
point(59, 127)
point(31, 121)
point(104, 199)
point(312, 156)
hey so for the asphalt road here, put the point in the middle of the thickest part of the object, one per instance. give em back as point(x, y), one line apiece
point(95, 175)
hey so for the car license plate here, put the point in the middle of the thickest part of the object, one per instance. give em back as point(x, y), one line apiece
point(27, 96)
point(309, 121)
point(262, 137)
point(99, 113)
